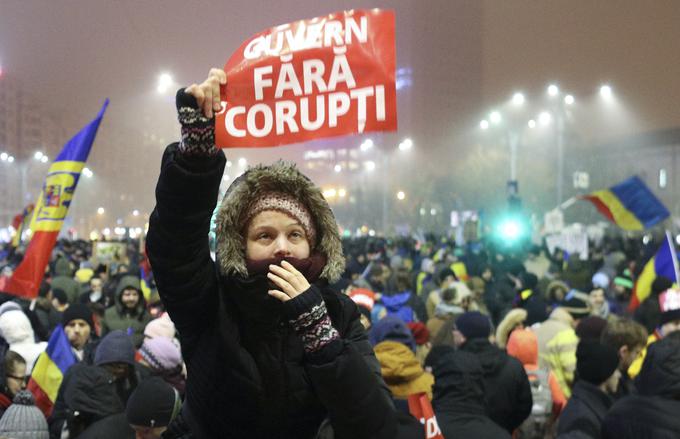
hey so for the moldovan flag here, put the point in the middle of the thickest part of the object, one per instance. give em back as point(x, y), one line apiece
point(49, 370)
point(663, 263)
point(51, 209)
point(630, 205)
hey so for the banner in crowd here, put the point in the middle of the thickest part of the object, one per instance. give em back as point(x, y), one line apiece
point(49, 370)
point(630, 205)
point(323, 77)
point(420, 407)
point(663, 263)
point(51, 209)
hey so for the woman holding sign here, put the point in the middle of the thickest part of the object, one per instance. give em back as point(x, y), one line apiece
point(271, 351)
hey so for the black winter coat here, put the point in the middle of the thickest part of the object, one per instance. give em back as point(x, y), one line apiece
point(248, 375)
point(458, 399)
point(582, 417)
point(508, 392)
point(653, 413)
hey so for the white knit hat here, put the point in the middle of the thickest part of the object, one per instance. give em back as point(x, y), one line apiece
point(23, 420)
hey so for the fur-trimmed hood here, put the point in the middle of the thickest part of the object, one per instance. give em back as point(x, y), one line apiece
point(279, 177)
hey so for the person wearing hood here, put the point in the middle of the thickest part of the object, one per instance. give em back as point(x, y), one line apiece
point(129, 313)
point(403, 303)
point(651, 412)
point(445, 310)
point(459, 397)
point(271, 350)
point(395, 348)
point(598, 378)
point(514, 319)
point(16, 329)
point(507, 386)
point(63, 279)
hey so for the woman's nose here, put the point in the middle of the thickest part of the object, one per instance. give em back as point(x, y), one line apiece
point(282, 247)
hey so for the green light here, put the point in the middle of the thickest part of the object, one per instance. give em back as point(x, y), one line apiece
point(511, 229)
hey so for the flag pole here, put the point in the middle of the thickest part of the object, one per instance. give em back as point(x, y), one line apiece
point(674, 256)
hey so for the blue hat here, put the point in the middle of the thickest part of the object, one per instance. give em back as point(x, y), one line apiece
point(115, 347)
point(393, 329)
point(474, 324)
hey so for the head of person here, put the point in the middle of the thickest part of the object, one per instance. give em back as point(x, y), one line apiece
point(78, 324)
point(402, 280)
point(598, 364)
point(627, 337)
point(59, 298)
point(469, 326)
point(161, 326)
point(129, 292)
point(116, 353)
point(597, 300)
point(152, 407)
point(15, 373)
point(391, 328)
point(590, 328)
point(162, 355)
point(446, 277)
point(577, 305)
point(600, 281)
point(557, 291)
point(22, 419)
point(96, 284)
point(523, 345)
point(623, 286)
point(15, 327)
point(272, 212)
point(669, 303)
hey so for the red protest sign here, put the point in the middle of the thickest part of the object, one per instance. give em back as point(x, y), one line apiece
point(324, 77)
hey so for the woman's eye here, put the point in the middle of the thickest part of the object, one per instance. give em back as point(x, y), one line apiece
point(297, 235)
point(263, 236)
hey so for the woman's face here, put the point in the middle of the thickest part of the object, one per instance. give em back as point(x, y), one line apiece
point(16, 379)
point(271, 234)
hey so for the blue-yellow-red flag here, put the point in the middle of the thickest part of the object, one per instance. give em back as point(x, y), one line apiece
point(663, 263)
point(51, 209)
point(630, 205)
point(49, 370)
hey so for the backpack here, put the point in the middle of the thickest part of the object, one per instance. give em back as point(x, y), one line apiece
point(537, 425)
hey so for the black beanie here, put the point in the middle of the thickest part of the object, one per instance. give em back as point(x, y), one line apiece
point(77, 311)
point(154, 403)
point(595, 362)
point(590, 328)
point(474, 324)
point(60, 295)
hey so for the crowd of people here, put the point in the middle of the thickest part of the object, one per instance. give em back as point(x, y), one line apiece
point(286, 330)
point(529, 344)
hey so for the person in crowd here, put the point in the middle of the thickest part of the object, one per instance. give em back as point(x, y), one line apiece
point(403, 303)
point(459, 400)
point(152, 407)
point(129, 313)
point(270, 350)
point(652, 411)
point(95, 293)
point(16, 329)
point(598, 378)
point(669, 304)
point(590, 328)
point(79, 328)
point(59, 300)
point(447, 281)
point(628, 338)
point(13, 378)
point(425, 277)
point(447, 309)
point(523, 345)
point(555, 294)
point(47, 315)
point(622, 290)
point(164, 359)
point(508, 392)
point(560, 351)
point(421, 335)
point(63, 279)
point(558, 321)
point(649, 311)
point(395, 348)
point(514, 319)
point(23, 420)
point(600, 306)
point(500, 295)
point(162, 326)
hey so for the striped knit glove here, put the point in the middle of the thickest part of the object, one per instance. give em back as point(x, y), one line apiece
point(198, 132)
point(307, 314)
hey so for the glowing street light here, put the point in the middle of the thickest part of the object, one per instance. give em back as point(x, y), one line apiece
point(401, 195)
point(135, 212)
point(342, 193)
point(44, 159)
point(366, 145)
point(330, 193)
point(38, 155)
point(370, 165)
point(406, 144)
point(229, 163)
point(4, 156)
point(606, 91)
point(569, 100)
point(10, 159)
point(87, 172)
point(495, 117)
point(242, 162)
point(337, 168)
point(532, 124)
point(484, 124)
point(164, 83)
point(518, 99)
point(100, 211)
point(553, 90)
point(544, 118)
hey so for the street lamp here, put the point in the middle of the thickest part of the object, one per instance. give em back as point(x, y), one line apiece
point(406, 144)
point(484, 124)
point(401, 195)
point(532, 124)
point(544, 118)
point(606, 91)
point(87, 172)
point(495, 117)
point(553, 90)
point(518, 99)
point(337, 168)
point(242, 162)
point(100, 211)
point(569, 100)
point(164, 83)
point(38, 155)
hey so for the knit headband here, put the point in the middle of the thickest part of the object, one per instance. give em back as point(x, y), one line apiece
point(284, 203)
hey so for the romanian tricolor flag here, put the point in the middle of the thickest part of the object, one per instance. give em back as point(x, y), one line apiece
point(51, 209)
point(663, 263)
point(630, 205)
point(20, 221)
point(144, 284)
point(49, 370)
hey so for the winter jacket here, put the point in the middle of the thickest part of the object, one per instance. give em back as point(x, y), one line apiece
point(401, 370)
point(499, 296)
point(249, 375)
point(558, 321)
point(507, 386)
point(435, 298)
point(63, 280)
point(561, 358)
point(111, 427)
point(653, 411)
point(16, 329)
point(459, 402)
point(584, 412)
point(648, 314)
point(132, 322)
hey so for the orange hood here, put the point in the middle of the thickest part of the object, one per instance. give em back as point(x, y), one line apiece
point(523, 345)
